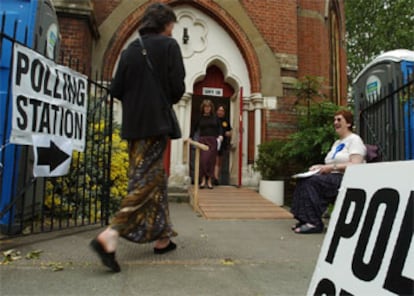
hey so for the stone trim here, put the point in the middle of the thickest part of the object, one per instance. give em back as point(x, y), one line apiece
point(311, 14)
point(81, 9)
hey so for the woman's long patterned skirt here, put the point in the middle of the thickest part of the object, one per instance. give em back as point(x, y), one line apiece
point(144, 213)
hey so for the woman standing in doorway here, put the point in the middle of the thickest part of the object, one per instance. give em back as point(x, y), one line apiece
point(225, 145)
point(210, 134)
point(144, 213)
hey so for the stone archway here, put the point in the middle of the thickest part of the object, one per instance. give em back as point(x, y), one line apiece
point(234, 46)
point(264, 72)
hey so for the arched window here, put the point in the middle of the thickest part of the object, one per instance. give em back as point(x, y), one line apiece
point(335, 43)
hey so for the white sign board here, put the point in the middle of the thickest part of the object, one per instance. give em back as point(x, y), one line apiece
point(52, 156)
point(368, 248)
point(212, 91)
point(48, 99)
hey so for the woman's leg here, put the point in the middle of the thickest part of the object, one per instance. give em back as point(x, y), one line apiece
point(109, 239)
point(309, 198)
point(208, 160)
point(105, 245)
point(203, 182)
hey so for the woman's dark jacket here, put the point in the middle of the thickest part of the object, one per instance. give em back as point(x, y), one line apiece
point(207, 126)
point(144, 113)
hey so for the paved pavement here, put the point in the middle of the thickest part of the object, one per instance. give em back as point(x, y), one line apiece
point(214, 257)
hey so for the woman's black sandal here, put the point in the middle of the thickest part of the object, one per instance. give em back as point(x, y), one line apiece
point(307, 229)
point(170, 247)
point(299, 224)
point(108, 259)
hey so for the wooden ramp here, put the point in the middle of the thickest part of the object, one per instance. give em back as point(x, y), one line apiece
point(228, 202)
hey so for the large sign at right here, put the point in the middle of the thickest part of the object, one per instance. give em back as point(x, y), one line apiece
point(369, 248)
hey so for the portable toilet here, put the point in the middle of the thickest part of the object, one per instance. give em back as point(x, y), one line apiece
point(33, 23)
point(383, 77)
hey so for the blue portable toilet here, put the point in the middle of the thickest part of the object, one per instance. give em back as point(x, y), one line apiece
point(34, 24)
point(384, 75)
point(407, 68)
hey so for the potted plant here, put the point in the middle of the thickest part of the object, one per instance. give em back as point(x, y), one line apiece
point(272, 165)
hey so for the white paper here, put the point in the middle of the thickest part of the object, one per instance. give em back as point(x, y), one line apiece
point(306, 174)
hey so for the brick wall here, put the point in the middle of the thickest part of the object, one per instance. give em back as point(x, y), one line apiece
point(313, 50)
point(76, 43)
point(102, 11)
point(277, 21)
point(295, 28)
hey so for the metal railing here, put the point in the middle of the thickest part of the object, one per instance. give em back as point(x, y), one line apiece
point(387, 120)
point(40, 204)
point(194, 194)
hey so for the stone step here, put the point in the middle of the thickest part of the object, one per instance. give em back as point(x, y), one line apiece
point(178, 195)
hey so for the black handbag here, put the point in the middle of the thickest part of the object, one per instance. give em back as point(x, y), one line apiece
point(175, 126)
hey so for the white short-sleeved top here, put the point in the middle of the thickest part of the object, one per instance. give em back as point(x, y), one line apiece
point(342, 149)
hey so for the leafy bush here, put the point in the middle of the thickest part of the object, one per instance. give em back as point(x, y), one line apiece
point(82, 192)
point(314, 137)
point(271, 163)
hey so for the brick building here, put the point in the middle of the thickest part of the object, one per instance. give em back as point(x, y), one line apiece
point(246, 54)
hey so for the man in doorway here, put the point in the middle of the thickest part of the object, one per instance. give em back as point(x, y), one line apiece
point(225, 145)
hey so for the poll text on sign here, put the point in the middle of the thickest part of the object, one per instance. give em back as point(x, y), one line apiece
point(48, 99)
point(368, 248)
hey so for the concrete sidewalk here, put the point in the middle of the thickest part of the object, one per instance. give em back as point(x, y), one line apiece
point(214, 257)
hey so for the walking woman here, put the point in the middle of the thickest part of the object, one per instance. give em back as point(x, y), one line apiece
point(210, 134)
point(144, 213)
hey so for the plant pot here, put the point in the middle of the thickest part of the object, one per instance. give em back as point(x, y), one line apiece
point(273, 191)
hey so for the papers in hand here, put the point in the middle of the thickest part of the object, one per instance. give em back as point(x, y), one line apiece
point(306, 174)
point(218, 144)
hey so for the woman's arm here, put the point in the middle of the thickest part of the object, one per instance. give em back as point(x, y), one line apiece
point(337, 167)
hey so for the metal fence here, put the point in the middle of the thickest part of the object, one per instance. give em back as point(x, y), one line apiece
point(81, 197)
point(387, 120)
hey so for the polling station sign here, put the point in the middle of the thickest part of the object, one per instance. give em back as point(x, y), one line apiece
point(48, 99)
point(369, 248)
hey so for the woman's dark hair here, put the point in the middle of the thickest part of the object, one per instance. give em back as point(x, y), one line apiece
point(221, 106)
point(155, 18)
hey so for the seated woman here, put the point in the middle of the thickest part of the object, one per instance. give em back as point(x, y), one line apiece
point(312, 195)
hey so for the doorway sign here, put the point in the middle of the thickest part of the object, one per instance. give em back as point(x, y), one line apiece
point(369, 247)
point(212, 91)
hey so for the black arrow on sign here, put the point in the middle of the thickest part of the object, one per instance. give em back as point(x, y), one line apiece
point(52, 156)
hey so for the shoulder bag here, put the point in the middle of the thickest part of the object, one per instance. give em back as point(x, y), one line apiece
point(175, 126)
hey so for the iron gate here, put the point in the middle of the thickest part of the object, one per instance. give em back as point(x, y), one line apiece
point(45, 204)
point(387, 120)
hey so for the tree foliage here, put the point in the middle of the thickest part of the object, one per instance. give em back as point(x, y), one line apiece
point(374, 27)
point(271, 163)
point(314, 137)
point(301, 149)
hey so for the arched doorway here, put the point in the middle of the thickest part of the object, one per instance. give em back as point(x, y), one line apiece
point(209, 44)
point(215, 88)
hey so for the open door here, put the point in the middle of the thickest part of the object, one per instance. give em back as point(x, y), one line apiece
point(214, 88)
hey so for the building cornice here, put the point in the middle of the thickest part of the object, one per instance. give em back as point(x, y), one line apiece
point(81, 9)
